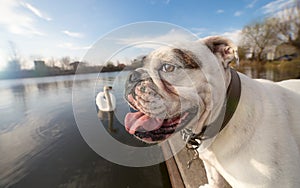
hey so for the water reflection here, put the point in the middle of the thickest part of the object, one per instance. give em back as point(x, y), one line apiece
point(40, 144)
point(109, 117)
point(27, 125)
point(273, 73)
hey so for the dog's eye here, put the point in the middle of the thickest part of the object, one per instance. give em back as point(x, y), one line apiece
point(168, 68)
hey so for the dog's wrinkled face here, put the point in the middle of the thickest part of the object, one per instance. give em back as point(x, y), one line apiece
point(169, 92)
point(163, 93)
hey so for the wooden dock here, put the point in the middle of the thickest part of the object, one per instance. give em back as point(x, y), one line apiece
point(180, 175)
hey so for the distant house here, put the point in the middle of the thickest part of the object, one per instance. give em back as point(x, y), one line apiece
point(286, 51)
point(270, 53)
point(282, 52)
point(74, 65)
point(270, 56)
point(40, 66)
point(121, 66)
point(83, 66)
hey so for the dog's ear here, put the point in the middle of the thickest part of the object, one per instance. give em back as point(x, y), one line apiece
point(223, 48)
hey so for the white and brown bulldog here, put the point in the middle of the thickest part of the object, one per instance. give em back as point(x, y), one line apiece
point(256, 139)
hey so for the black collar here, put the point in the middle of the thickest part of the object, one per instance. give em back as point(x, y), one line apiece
point(209, 131)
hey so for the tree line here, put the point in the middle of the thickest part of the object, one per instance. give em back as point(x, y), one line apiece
point(281, 27)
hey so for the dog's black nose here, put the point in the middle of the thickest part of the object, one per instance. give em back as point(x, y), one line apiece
point(135, 76)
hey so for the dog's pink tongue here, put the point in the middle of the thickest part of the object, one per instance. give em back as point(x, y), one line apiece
point(133, 121)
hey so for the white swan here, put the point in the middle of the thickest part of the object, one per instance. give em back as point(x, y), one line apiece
point(105, 100)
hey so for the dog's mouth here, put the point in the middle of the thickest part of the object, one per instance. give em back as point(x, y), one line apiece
point(154, 129)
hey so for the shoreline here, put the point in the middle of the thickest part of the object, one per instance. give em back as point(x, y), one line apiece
point(276, 66)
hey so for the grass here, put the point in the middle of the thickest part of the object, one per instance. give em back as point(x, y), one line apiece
point(295, 63)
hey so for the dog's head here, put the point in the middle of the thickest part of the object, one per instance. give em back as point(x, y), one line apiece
point(178, 87)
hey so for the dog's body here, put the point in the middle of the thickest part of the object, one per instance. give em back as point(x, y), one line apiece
point(260, 145)
point(186, 87)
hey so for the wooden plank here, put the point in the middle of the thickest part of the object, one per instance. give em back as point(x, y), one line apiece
point(174, 173)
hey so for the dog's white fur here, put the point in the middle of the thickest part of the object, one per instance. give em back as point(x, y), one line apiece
point(260, 145)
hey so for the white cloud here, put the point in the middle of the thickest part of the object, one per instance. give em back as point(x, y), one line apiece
point(238, 13)
point(73, 34)
point(72, 46)
point(251, 5)
point(198, 31)
point(167, 38)
point(277, 5)
point(233, 35)
point(15, 20)
point(130, 46)
point(153, 2)
point(142, 45)
point(36, 11)
point(220, 11)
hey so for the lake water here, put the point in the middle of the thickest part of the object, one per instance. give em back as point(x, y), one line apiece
point(271, 73)
point(40, 145)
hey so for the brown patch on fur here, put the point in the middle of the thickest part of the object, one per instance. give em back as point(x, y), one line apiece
point(189, 60)
point(214, 43)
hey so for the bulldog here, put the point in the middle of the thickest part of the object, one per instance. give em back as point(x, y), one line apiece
point(256, 138)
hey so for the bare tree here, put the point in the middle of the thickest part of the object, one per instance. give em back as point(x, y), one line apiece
point(281, 27)
point(287, 23)
point(296, 42)
point(51, 62)
point(65, 63)
point(258, 37)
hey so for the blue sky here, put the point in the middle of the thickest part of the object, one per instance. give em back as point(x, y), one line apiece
point(47, 28)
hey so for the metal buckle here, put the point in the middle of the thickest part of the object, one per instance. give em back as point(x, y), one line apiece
point(186, 134)
point(190, 139)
